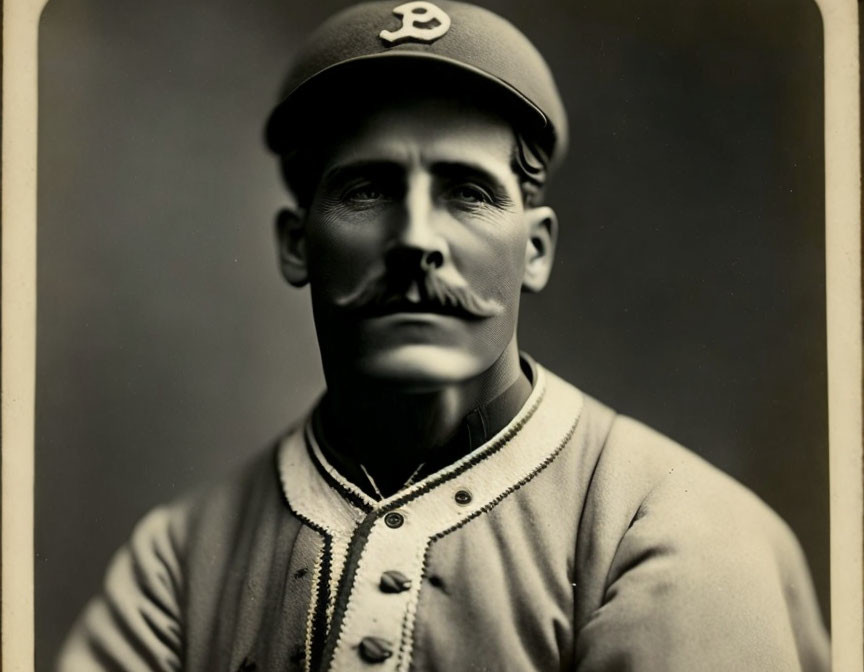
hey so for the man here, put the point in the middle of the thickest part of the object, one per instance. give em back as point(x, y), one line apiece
point(449, 504)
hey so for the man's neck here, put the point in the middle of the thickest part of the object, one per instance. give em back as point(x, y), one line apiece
point(392, 431)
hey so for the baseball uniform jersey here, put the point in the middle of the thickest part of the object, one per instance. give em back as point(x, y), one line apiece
point(574, 539)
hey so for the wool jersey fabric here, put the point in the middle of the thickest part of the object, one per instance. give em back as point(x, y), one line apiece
point(574, 539)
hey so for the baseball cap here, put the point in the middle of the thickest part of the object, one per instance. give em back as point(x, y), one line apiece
point(437, 40)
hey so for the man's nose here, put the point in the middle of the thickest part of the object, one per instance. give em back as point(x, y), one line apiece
point(417, 239)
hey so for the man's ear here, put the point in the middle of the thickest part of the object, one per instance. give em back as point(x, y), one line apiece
point(291, 240)
point(540, 250)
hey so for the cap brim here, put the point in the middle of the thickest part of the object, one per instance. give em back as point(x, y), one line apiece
point(282, 126)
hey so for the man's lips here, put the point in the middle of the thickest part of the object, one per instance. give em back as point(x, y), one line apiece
point(403, 305)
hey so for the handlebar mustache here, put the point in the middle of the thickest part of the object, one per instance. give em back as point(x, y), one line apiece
point(382, 295)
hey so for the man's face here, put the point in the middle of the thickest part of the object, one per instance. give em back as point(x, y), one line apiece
point(416, 245)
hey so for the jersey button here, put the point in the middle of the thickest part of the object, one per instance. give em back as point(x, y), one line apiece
point(394, 519)
point(394, 582)
point(375, 649)
point(463, 497)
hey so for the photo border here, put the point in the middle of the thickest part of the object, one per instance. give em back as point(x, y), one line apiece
point(844, 332)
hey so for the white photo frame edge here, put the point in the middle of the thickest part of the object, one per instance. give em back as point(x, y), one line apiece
point(844, 314)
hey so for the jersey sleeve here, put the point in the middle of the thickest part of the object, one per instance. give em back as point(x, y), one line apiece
point(134, 623)
point(704, 577)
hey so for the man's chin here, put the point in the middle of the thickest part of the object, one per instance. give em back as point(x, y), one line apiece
point(421, 367)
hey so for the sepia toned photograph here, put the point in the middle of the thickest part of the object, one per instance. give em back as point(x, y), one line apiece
point(432, 335)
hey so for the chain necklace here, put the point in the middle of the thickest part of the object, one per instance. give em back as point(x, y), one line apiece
point(406, 484)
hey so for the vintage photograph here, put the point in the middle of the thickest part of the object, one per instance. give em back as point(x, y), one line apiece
point(431, 335)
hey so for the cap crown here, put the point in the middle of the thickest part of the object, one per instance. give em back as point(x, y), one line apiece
point(471, 39)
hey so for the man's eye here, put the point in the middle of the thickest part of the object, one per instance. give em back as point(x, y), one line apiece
point(366, 193)
point(469, 193)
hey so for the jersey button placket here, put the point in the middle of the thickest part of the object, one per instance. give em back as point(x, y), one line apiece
point(374, 649)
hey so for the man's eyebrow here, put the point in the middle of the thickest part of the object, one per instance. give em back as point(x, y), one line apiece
point(365, 167)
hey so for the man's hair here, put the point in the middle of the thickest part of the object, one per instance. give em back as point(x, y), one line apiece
point(530, 167)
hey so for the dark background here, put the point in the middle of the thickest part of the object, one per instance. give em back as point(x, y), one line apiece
point(688, 291)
